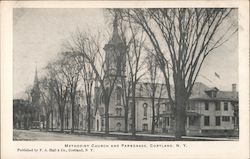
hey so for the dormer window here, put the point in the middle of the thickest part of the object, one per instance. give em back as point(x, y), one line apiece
point(212, 93)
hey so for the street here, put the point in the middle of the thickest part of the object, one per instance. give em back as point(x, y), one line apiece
point(35, 134)
point(30, 135)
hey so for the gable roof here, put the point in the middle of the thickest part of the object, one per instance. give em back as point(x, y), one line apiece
point(200, 90)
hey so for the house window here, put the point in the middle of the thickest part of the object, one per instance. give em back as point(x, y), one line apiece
point(206, 121)
point(145, 108)
point(206, 106)
point(192, 107)
point(226, 118)
point(145, 127)
point(217, 106)
point(157, 109)
point(167, 121)
point(118, 95)
point(160, 122)
point(217, 121)
point(130, 127)
point(192, 120)
point(226, 106)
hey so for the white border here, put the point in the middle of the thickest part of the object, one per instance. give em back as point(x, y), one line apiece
point(226, 149)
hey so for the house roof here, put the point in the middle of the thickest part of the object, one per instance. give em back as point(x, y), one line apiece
point(200, 92)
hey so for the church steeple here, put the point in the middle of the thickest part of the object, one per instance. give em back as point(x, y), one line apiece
point(35, 90)
point(115, 52)
point(116, 39)
point(35, 94)
point(36, 77)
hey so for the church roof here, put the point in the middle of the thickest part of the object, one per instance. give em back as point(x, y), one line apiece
point(145, 90)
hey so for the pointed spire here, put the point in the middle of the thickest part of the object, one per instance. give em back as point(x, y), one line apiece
point(35, 90)
point(36, 77)
point(115, 27)
point(115, 37)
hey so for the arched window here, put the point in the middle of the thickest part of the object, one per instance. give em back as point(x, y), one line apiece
point(118, 111)
point(145, 109)
point(118, 95)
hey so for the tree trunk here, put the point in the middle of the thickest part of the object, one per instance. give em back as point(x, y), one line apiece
point(52, 120)
point(73, 113)
point(89, 116)
point(67, 121)
point(126, 117)
point(106, 117)
point(153, 117)
point(180, 97)
point(47, 122)
point(133, 111)
point(62, 121)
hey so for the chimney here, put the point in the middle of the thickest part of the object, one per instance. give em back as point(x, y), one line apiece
point(234, 90)
point(234, 87)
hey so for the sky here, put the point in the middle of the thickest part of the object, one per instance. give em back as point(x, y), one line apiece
point(38, 35)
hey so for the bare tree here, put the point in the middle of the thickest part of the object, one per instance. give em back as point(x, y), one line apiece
point(126, 93)
point(182, 39)
point(60, 88)
point(71, 71)
point(67, 116)
point(134, 40)
point(155, 89)
point(88, 47)
point(88, 76)
point(47, 99)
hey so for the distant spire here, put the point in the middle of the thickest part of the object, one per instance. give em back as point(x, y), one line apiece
point(35, 90)
point(36, 77)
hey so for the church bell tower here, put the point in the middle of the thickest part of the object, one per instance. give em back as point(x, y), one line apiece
point(115, 69)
